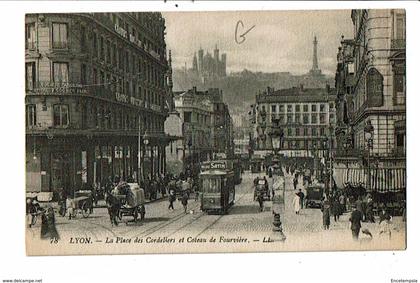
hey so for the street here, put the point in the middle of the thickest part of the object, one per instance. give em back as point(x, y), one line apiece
point(243, 224)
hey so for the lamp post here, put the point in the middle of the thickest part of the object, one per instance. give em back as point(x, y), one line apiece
point(368, 131)
point(146, 142)
point(190, 154)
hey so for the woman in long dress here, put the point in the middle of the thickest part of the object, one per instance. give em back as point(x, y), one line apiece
point(296, 203)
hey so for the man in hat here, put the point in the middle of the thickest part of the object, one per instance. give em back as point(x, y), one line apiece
point(355, 220)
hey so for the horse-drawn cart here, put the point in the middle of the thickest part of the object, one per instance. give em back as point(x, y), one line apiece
point(131, 200)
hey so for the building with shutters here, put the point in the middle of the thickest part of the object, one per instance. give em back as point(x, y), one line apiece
point(98, 91)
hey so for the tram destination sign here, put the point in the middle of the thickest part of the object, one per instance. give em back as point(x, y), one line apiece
point(212, 165)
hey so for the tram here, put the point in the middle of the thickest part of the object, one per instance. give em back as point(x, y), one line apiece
point(218, 186)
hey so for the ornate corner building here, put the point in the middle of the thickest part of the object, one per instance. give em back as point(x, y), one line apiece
point(98, 91)
point(371, 94)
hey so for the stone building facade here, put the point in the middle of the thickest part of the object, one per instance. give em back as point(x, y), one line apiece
point(296, 121)
point(97, 94)
point(371, 95)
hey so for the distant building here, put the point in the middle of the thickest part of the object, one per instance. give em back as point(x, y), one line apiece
point(208, 68)
point(303, 115)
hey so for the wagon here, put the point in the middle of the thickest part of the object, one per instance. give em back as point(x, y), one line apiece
point(82, 203)
point(314, 195)
point(131, 200)
point(261, 188)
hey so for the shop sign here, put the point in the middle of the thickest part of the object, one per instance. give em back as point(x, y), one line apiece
point(121, 97)
point(59, 88)
point(135, 101)
point(374, 88)
point(120, 31)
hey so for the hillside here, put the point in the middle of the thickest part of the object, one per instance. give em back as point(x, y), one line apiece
point(239, 89)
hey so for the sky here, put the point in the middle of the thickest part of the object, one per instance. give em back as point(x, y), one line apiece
point(280, 41)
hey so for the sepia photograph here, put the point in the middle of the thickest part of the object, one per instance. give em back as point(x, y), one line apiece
point(215, 131)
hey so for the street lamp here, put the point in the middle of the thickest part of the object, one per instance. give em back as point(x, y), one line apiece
point(368, 131)
point(146, 141)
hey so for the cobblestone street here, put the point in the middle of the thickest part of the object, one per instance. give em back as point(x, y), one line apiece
point(244, 223)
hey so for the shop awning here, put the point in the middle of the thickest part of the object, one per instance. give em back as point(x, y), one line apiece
point(382, 180)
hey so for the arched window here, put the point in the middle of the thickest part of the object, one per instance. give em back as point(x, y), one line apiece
point(374, 88)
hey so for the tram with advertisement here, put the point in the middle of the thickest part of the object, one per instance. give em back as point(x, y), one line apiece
point(217, 186)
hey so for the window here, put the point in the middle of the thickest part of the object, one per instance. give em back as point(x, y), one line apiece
point(298, 131)
point(30, 38)
point(281, 108)
point(61, 115)
point(305, 119)
point(127, 63)
point(289, 108)
point(400, 139)
point(187, 117)
point(314, 118)
point(83, 38)
point(332, 103)
point(273, 108)
point(313, 107)
point(400, 27)
point(322, 131)
point(108, 51)
point(322, 108)
point(94, 76)
point(95, 45)
point(305, 131)
point(60, 72)
point(331, 118)
point(314, 132)
point(289, 132)
point(297, 108)
point(59, 35)
point(31, 115)
point(297, 118)
point(289, 118)
point(101, 48)
point(30, 75)
point(281, 119)
point(322, 119)
point(305, 108)
point(83, 74)
point(399, 89)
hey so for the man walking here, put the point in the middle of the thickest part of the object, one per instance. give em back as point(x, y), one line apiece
point(355, 220)
point(296, 203)
point(172, 198)
point(260, 200)
point(184, 201)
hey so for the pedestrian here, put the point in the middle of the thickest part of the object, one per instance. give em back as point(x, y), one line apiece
point(385, 222)
point(335, 205)
point(369, 210)
point(325, 208)
point(142, 212)
point(295, 182)
point(301, 197)
point(172, 198)
point(342, 201)
point(184, 201)
point(260, 199)
point(359, 205)
point(48, 229)
point(296, 203)
point(355, 220)
point(113, 206)
point(70, 207)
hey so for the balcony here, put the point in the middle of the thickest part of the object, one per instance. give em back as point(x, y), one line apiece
point(398, 43)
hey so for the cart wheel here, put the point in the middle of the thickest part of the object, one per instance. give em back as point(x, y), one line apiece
point(135, 214)
point(33, 219)
point(85, 210)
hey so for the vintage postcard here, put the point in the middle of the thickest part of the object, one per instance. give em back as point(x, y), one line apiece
point(203, 132)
